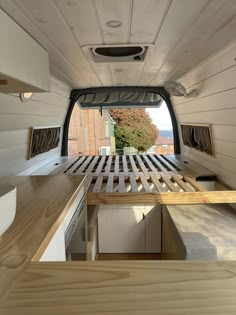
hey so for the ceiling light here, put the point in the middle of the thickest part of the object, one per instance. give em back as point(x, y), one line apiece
point(113, 24)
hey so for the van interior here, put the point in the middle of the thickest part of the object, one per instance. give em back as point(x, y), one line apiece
point(89, 225)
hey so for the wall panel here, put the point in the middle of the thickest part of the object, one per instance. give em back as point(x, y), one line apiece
point(215, 80)
point(45, 109)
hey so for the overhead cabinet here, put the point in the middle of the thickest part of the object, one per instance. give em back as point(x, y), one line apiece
point(24, 64)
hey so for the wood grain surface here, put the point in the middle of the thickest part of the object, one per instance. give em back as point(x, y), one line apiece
point(176, 198)
point(42, 203)
point(125, 287)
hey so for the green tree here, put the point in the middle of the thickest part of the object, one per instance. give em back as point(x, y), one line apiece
point(134, 128)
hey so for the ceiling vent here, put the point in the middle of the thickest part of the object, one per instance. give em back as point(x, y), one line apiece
point(117, 53)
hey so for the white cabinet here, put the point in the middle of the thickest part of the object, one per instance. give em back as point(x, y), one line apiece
point(129, 229)
point(24, 64)
point(55, 250)
point(153, 228)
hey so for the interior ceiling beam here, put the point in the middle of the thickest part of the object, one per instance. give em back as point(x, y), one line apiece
point(163, 198)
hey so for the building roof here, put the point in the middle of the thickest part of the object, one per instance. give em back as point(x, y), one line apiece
point(162, 140)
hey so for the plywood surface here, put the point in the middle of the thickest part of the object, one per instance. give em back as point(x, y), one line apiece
point(42, 203)
point(129, 288)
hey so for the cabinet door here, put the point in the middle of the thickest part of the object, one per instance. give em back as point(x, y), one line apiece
point(55, 250)
point(121, 229)
point(153, 228)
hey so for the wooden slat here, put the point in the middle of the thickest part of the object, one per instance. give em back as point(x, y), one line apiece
point(100, 165)
point(183, 167)
point(144, 183)
point(151, 166)
point(165, 198)
point(88, 181)
point(76, 165)
point(83, 166)
point(155, 180)
point(182, 184)
point(108, 165)
point(158, 164)
point(125, 166)
point(194, 184)
point(174, 163)
point(133, 183)
point(117, 166)
point(142, 166)
point(121, 183)
point(98, 184)
point(167, 164)
point(91, 166)
point(133, 165)
point(109, 186)
point(169, 183)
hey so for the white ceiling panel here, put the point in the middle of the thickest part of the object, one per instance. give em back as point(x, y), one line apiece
point(184, 32)
point(114, 10)
point(82, 20)
point(50, 22)
point(147, 17)
point(180, 16)
point(193, 40)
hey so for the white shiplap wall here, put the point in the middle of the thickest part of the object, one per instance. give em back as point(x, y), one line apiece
point(215, 80)
point(45, 109)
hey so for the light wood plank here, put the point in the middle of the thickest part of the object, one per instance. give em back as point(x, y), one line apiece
point(168, 166)
point(125, 287)
point(108, 164)
point(100, 165)
point(152, 167)
point(144, 182)
point(121, 183)
point(155, 180)
point(75, 165)
point(98, 184)
point(117, 166)
point(141, 165)
point(125, 166)
point(109, 186)
point(133, 183)
point(133, 165)
point(88, 182)
point(92, 165)
point(169, 183)
point(83, 166)
point(194, 184)
point(38, 216)
point(168, 198)
point(182, 184)
point(158, 164)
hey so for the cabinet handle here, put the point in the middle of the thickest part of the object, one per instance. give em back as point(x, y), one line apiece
point(144, 216)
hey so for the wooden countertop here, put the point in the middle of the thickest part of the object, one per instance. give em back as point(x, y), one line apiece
point(129, 288)
point(42, 203)
point(132, 288)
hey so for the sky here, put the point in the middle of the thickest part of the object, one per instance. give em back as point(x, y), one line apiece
point(160, 117)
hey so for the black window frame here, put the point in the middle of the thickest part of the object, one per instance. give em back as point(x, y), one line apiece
point(76, 93)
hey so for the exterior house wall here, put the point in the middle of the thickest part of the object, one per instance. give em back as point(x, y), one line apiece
point(87, 132)
point(164, 149)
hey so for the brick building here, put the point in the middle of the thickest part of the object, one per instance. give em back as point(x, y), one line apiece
point(162, 145)
point(90, 133)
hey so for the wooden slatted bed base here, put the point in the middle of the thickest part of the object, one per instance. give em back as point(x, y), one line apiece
point(148, 179)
